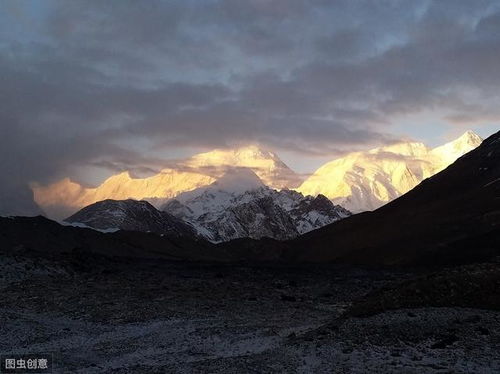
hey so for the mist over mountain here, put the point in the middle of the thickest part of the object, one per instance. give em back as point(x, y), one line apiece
point(17, 199)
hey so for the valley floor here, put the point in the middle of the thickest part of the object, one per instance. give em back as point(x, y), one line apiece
point(127, 316)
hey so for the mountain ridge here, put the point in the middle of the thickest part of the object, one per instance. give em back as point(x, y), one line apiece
point(225, 214)
point(364, 181)
point(66, 196)
point(359, 181)
point(453, 216)
point(222, 211)
point(131, 215)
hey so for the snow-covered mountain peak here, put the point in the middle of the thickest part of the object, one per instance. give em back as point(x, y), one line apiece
point(242, 156)
point(470, 137)
point(122, 177)
point(234, 182)
point(359, 181)
point(220, 215)
point(367, 180)
point(266, 164)
point(464, 142)
point(197, 171)
point(450, 151)
point(412, 149)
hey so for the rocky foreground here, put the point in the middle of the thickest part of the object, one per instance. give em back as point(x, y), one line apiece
point(99, 315)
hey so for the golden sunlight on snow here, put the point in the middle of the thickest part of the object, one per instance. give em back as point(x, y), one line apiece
point(66, 196)
point(367, 180)
point(359, 181)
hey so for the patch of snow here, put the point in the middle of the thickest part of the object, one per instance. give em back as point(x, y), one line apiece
point(225, 211)
point(490, 183)
point(84, 226)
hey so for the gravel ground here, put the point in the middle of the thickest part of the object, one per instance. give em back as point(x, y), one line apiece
point(119, 316)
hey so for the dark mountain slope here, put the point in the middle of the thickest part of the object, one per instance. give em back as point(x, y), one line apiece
point(39, 234)
point(42, 236)
point(452, 217)
point(132, 215)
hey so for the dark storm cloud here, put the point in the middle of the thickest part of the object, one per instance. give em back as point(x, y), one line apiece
point(82, 81)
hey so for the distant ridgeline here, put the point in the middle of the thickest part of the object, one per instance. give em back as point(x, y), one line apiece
point(359, 181)
point(452, 217)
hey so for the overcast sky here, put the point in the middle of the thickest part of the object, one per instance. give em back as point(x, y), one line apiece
point(91, 87)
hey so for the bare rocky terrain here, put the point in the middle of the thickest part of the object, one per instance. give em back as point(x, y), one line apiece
point(119, 315)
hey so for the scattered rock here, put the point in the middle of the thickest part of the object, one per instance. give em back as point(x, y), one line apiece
point(483, 331)
point(445, 342)
point(473, 319)
point(288, 298)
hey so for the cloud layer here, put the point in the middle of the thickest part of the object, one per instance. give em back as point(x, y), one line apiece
point(86, 83)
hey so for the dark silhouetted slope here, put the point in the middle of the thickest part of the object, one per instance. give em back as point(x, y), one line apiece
point(452, 217)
